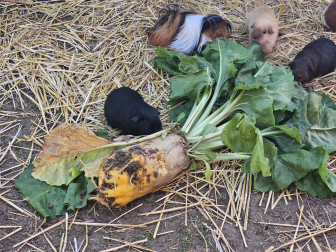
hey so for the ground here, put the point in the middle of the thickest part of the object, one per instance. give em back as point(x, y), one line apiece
point(60, 60)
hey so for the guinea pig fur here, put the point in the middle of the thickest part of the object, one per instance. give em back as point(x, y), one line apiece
point(184, 30)
point(262, 26)
point(329, 16)
point(318, 58)
point(126, 110)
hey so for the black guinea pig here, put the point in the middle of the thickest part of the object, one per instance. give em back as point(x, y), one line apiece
point(318, 58)
point(126, 110)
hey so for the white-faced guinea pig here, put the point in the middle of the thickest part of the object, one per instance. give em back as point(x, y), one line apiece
point(126, 110)
point(185, 31)
point(329, 16)
point(316, 59)
point(262, 26)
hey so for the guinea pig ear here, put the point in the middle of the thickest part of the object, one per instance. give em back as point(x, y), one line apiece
point(135, 118)
point(270, 31)
point(158, 112)
point(252, 26)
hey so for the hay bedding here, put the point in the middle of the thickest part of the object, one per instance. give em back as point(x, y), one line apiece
point(66, 57)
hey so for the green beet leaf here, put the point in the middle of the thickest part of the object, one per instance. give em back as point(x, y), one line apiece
point(316, 120)
point(298, 96)
point(102, 133)
point(327, 176)
point(203, 63)
point(281, 87)
point(78, 193)
point(239, 134)
point(293, 166)
point(323, 131)
point(314, 185)
point(189, 65)
point(277, 81)
point(189, 86)
point(171, 56)
point(210, 154)
point(264, 184)
point(176, 114)
point(258, 160)
point(51, 201)
point(45, 199)
point(168, 60)
point(163, 63)
point(263, 157)
point(221, 54)
point(256, 102)
point(320, 182)
point(287, 140)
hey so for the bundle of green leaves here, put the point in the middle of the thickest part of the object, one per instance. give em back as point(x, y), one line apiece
point(234, 98)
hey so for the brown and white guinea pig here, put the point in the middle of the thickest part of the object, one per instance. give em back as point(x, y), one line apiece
point(184, 30)
point(329, 16)
point(126, 110)
point(262, 26)
point(317, 58)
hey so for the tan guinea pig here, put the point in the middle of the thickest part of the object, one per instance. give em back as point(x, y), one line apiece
point(263, 27)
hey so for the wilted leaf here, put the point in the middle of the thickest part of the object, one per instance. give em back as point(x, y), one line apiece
point(64, 149)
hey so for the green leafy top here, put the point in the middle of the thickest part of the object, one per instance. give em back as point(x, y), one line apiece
point(235, 98)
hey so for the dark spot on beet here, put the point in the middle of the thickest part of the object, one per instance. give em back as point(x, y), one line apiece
point(133, 167)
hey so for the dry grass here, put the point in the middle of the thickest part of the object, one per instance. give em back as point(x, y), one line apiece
point(66, 57)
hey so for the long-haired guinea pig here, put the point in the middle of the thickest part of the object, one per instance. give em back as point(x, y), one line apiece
point(318, 58)
point(126, 110)
point(184, 30)
point(329, 16)
point(262, 26)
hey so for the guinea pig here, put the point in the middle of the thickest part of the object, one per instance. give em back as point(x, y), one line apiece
point(185, 31)
point(317, 58)
point(329, 16)
point(262, 26)
point(126, 110)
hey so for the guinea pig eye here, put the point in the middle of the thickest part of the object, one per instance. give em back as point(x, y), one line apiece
point(264, 32)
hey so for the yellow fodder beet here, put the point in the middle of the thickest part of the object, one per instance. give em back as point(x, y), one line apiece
point(136, 170)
